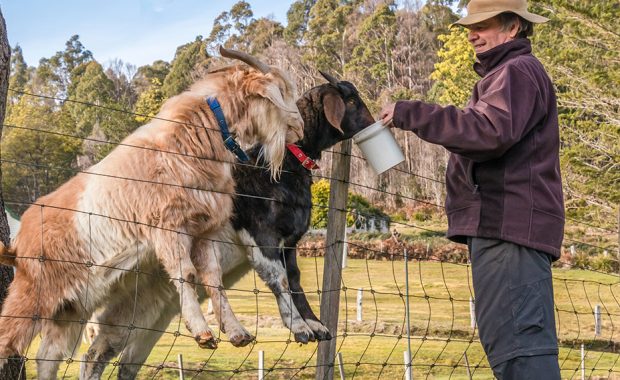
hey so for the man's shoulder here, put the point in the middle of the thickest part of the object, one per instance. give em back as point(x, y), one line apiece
point(526, 65)
point(526, 60)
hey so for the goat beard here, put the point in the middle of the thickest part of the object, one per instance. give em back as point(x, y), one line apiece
point(273, 151)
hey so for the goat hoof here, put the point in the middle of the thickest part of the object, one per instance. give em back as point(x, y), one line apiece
point(206, 340)
point(323, 335)
point(241, 340)
point(304, 337)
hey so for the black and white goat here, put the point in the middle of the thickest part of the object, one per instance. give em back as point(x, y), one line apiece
point(269, 219)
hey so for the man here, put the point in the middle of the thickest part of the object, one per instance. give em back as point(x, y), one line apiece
point(504, 192)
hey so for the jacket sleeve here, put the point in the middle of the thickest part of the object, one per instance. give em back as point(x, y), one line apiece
point(508, 108)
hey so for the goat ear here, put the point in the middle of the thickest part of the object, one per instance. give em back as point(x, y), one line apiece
point(272, 92)
point(334, 110)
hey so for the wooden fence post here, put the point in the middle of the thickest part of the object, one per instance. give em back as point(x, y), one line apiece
point(332, 270)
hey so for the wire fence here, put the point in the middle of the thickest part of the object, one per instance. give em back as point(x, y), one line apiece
point(405, 305)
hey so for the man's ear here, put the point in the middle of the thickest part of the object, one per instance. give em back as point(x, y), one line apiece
point(514, 29)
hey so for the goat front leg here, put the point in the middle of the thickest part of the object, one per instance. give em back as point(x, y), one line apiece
point(299, 297)
point(206, 255)
point(266, 258)
point(174, 252)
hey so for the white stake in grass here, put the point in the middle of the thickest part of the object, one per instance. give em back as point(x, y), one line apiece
point(583, 363)
point(345, 249)
point(261, 365)
point(597, 320)
point(181, 374)
point(341, 366)
point(360, 294)
point(472, 312)
point(408, 372)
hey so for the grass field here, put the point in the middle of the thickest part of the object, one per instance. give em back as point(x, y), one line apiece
point(440, 327)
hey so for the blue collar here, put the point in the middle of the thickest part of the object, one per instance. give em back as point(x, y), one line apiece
point(230, 142)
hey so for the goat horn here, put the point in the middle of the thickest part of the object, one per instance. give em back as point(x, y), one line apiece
point(244, 57)
point(329, 78)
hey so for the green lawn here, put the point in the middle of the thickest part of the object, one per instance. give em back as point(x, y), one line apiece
point(373, 348)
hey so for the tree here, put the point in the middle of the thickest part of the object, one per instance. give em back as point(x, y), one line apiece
point(297, 21)
point(414, 54)
point(13, 369)
point(36, 160)
point(149, 102)
point(579, 48)
point(220, 32)
point(121, 74)
point(62, 64)
point(187, 60)
point(20, 74)
point(229, 28)
point(328, 33)
point(453, 73)
point(371, 60)
point(143, 79)
point(261, 34)
point(241, 16)
point(91, 86)
point(95, 105)
point(438, 16)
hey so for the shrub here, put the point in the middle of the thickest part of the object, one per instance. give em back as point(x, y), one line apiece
point(606, 264)
point(581, 261)
point(356, 202)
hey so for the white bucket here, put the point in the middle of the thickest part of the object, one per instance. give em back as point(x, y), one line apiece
point(379, 147)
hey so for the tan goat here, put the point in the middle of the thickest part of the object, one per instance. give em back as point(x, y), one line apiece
point(168, 185)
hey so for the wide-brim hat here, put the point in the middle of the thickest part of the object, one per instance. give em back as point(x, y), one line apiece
point(480, 10)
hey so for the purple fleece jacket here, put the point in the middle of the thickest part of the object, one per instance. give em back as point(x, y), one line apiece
point(503, 177)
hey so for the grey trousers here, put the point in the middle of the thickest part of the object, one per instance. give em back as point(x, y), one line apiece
point(514, 309)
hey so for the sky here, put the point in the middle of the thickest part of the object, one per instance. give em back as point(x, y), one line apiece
point(136, 31)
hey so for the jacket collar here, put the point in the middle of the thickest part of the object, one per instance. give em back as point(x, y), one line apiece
point(492, 58)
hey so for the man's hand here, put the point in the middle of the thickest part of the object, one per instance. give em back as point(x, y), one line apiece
point(387, 113)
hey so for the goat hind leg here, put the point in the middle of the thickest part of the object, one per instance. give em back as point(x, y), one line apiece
point(150, 310)
point(142, 342)
point(59, 340)
point(18, 322)
point(206, 256)
point(174, 252)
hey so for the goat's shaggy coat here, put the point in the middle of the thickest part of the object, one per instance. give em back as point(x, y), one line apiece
point(263, 233)
point(138, 203)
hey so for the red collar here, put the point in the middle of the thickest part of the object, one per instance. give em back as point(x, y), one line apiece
point(306, 161)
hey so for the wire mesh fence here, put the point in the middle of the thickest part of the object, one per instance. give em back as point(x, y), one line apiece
point(396, 295)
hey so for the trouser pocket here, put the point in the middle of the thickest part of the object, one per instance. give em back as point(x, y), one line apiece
point(527, 309)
